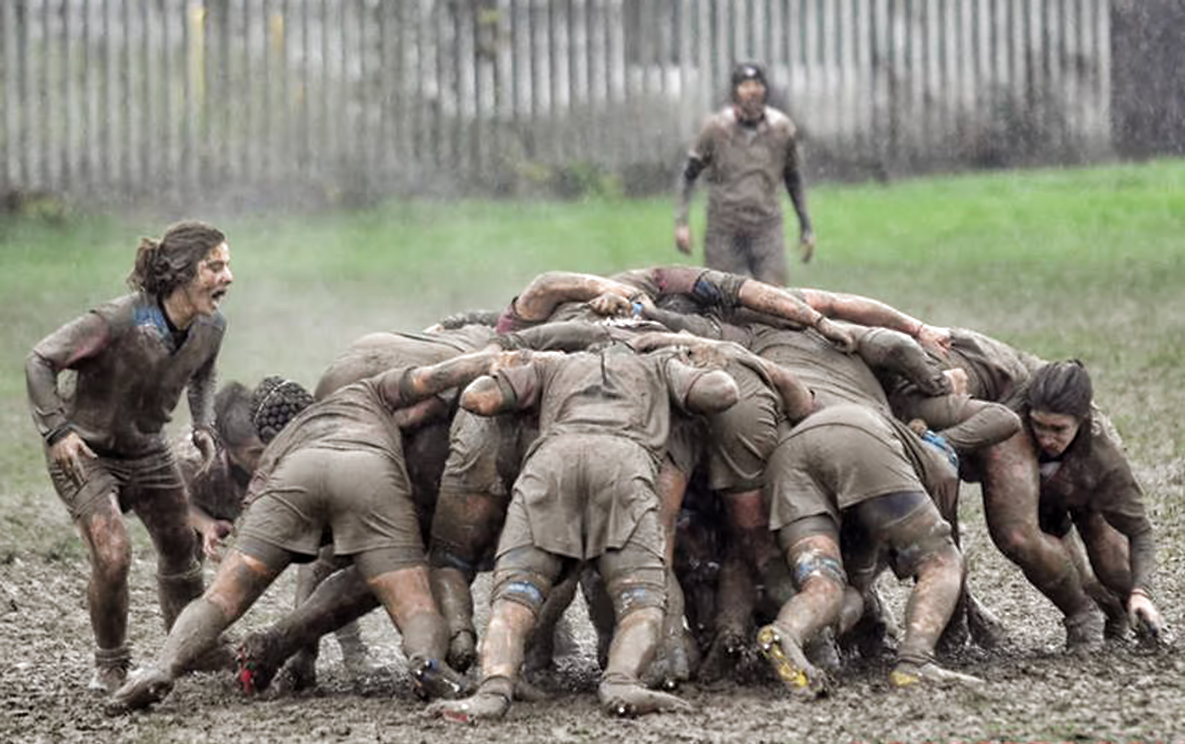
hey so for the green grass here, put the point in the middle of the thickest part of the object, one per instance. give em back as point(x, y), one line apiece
point(1087, 263)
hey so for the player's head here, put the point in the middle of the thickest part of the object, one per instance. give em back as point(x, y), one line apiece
point(749, 90)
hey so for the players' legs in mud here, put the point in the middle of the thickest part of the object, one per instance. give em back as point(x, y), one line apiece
point(337, 601)
point(470, 511)
point(103, 531)
point(1011, 498)
point(241, 579)
point(920, 545)
point(811, 547)
point(163, 509)
point(400, 582)
point(672, 663)
point(465, 529)
point(540, 650)
point(523, 578)
point(635, 579)
point(301, 670)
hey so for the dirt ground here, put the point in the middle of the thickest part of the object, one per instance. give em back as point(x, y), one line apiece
point(1035, 691)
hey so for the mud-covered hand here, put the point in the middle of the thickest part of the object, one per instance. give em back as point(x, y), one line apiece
point(68, 453)
point(610, 304)
point(683, 239)
point(1146, 619)
point(203, 439)
point(836, 334)
point(213, 535)
point(806, 245)
point(934, 338)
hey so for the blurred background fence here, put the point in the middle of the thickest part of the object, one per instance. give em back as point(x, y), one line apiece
point(275, 100)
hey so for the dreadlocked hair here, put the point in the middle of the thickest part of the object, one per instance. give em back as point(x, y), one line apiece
point(275, 402)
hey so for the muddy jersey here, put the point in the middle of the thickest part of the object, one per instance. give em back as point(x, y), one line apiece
point(1094, 477)
point(745, 167)
point(131, 367)
point(834, 377)
point(354, 418)
point(377, 352)
point(604, 419)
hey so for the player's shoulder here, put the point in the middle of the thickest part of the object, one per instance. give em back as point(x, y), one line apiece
point(780, 121)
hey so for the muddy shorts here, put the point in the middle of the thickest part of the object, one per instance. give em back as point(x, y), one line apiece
point(833, 460)
point(634, 576)
point(360, 501)
point(151, 478)
point(757, 252)
point(742, 437)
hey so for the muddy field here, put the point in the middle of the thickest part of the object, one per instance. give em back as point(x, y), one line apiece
point(1035, 692)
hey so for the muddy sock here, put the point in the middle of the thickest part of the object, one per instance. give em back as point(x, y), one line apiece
point(175, 591)
point(196, 630)
point(425, 636)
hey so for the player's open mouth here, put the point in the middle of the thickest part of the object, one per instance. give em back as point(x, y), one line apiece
point(218, 295)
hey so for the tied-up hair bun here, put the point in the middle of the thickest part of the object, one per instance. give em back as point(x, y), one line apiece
point(276, 401)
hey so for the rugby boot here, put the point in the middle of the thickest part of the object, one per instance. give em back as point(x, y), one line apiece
point(926, 673)
point(258, 659)
point(1084, 630)
point(111, 669)
point(626, 698)
point(144, 687)
point(490, 702)
point(432, 679)
point(789, 662)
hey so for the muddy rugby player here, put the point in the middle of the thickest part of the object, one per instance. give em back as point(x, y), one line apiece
point(335, 470)
point(824, 369)
point(104, 443)
point(747, 149)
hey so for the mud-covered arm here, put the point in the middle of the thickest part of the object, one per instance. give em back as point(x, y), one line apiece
point(685, 188)
point(870, 312)
point(200, 393)
point(698, 158)
point(424, 412)
point(895, 352)
point(64, 348)
point(565, 335)
point(547, 291)
point(792, 177)
point(967, 423)
point(1122, 504)
point(698, 325)
point(515, 386)
point(404, 387)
